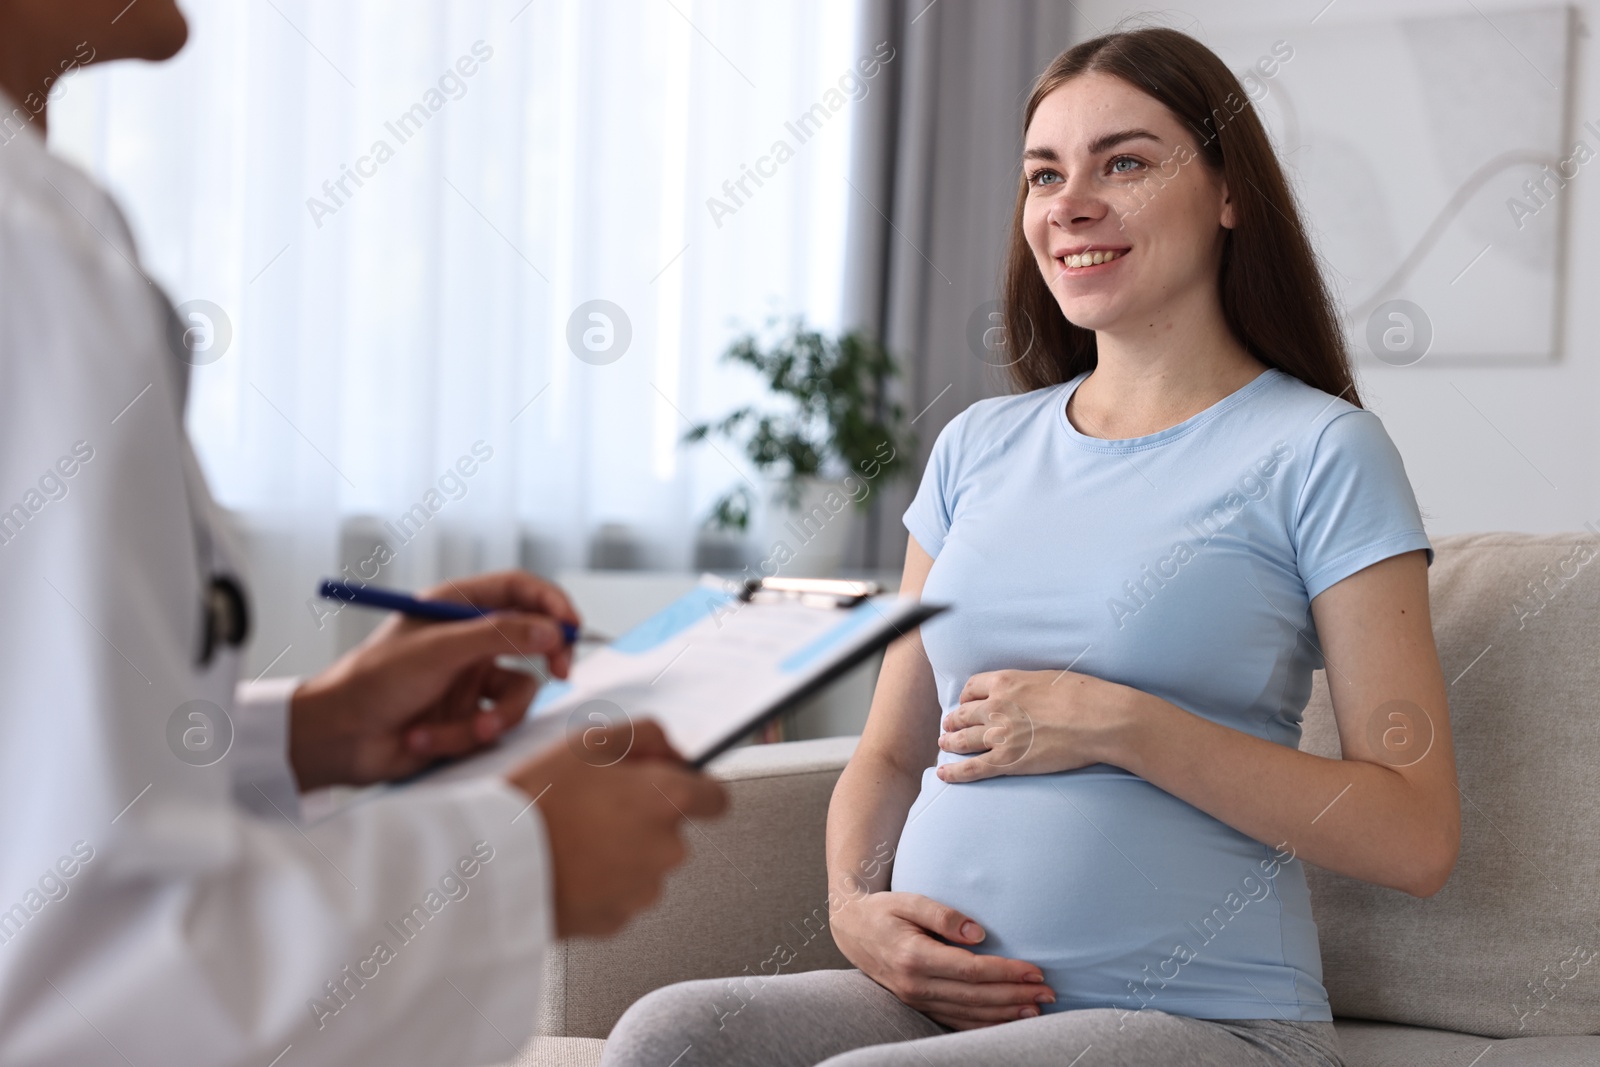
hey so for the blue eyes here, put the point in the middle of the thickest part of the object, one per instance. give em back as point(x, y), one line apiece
point(1118, 165)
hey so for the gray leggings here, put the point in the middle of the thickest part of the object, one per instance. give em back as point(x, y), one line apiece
point(845, 1019)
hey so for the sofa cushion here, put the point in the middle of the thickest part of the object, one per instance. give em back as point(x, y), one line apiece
point(559, 1052)
point(1511, 946)
point(752, 895)
point(1367, 1044)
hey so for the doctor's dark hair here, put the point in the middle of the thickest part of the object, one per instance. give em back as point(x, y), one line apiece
point(1274, 298)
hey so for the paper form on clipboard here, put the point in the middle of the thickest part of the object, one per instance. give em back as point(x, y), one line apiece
point(710, 668)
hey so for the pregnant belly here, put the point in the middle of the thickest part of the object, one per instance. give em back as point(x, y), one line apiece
point(1098, 877)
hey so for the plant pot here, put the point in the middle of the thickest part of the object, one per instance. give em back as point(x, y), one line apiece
point(808, 539)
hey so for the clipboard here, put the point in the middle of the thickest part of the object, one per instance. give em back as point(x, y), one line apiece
point(714, 666)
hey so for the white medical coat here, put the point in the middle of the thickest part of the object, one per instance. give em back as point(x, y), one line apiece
point(147, 916)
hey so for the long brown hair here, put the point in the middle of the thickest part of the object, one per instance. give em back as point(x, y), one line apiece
point(1274, 298)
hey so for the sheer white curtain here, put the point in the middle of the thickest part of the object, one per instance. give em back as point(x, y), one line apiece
point(398, 207)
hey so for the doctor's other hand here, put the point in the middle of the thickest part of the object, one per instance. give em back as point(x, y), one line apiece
point(894, 938)
point(415, 692)
point(614, 830)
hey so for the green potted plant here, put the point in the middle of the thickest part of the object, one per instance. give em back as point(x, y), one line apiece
point(837, 437)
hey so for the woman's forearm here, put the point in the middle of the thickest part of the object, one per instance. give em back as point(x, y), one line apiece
point(879, 785)
point(865, 818)
point(1357, 818)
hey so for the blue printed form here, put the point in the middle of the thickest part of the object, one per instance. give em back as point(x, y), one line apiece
point(708, 667)
point(858, 618)
point(696, 606)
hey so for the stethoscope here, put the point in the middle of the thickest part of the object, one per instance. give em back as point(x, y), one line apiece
point(224, 609)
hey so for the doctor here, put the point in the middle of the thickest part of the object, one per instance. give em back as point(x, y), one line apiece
point(163, 906)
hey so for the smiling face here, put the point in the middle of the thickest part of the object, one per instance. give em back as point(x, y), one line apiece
point(1125, 220)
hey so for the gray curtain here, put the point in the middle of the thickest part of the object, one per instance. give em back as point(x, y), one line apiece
point(936, 160)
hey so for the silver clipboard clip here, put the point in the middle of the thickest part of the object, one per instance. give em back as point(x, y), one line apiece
point(813, 592)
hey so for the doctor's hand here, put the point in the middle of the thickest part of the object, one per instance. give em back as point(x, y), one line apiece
point(894, 938)
point(1032, 722)
point(613, 822)
point(415, 692)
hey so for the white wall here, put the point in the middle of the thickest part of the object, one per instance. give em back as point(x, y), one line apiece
point(1538, 424)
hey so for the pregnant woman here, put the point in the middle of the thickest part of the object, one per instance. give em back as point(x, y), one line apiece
point(1085, 778)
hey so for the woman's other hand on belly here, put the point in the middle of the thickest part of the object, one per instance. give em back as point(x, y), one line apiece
point(1031, 722)
point(894, 939)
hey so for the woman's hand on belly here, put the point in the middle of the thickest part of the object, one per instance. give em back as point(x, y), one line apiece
point(890, 937)
point(1031, 722)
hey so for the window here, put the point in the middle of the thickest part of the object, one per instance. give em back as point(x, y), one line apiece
point(399, 207)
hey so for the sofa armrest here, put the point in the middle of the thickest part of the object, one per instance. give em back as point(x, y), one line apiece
point(754, 884)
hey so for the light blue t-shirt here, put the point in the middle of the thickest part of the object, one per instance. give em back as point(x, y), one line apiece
point(1183, 564)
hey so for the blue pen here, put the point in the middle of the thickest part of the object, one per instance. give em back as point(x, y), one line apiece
point(367, 596)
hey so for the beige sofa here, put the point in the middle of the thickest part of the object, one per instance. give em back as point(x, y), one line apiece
point(1499, 969)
